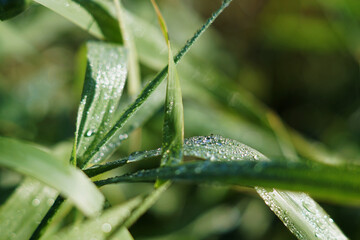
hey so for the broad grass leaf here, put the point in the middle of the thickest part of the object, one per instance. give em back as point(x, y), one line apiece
point(70, 182)
point(228, 161)
point(104, 83)
point(24, 209)
point(89, 15)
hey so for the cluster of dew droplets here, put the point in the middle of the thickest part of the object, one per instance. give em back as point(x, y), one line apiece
point(105, 79)
point(270, 198)
point(137, 156)
point(218, 148)
point(290, 207)
point(98, 228)
point(33, 199)
point(315, 223)
point(107, 149)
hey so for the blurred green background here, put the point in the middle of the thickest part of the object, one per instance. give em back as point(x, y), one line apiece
point(300, 58)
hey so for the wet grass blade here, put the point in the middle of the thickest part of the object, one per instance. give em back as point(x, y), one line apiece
point(21, 213)
point(318, 180)
point(134, 83)
point(41, 165)
point(61, 5)
point(228, 161)
point(89, 15)
point(173, 129)
point(152, 85)
point(104, 83)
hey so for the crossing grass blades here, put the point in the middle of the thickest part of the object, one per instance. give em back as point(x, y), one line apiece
point(36, 208)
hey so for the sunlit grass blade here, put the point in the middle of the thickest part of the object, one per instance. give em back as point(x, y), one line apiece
point(70, 182)
point(134, 157)
point(89, 15)
point(173, 130)
point(104, 82)
point(103, 226)
point(318, 180)
point(228, 161)
point(133, 83)
point(152, 85)
point(21, 213)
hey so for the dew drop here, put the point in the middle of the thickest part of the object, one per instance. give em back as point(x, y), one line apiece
point(90, 133)
point(50, 201)
point(123, 136)
point(35, 202)
point(106, 227)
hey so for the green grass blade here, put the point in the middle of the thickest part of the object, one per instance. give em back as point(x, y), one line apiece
point(60, 8)
point(41, 165)
point(89, 15)
point(319, 180)
point(152, 85)
point(134, 82)
point(134, 157)
point(21, 213)
point(102, 226)
point(103, 87)
point(229, 161)
point(173, 130)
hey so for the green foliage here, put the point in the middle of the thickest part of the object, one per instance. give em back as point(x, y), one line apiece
point(104, 83)
point(36, 163)
point(220, 85)
point(23, 211)
point(173, 130)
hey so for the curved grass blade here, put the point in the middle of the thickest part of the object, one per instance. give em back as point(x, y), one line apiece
point(173, 130)
point(21, 213)
point(104, 83)
point(318, 180)
point(41, 165)
point(236, 163)
point(136, 156)
point(133, 83)
point(134, 80)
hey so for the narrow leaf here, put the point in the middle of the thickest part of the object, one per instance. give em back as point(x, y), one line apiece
point(89, 15)
point(25, 208)
point(133, 83)
point(103, 87)
point(235, 163)
point(173, 130)
point(41, 165)
point(60, 6)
